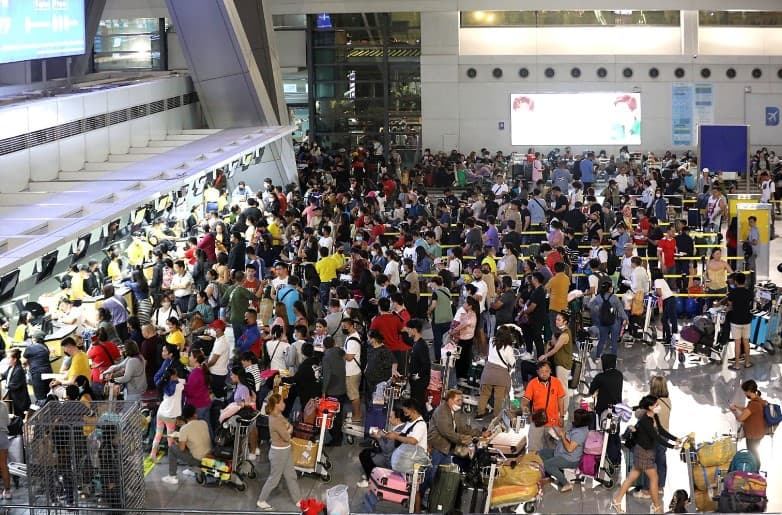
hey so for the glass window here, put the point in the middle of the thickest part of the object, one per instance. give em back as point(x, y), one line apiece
point(741, 18)
point(554, 18)
point(130, 44)
point(289, 21)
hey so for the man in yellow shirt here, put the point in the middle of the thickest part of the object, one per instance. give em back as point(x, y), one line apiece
point(490, 259)
point(327, 267)
point(557, 287)
point(80, 363)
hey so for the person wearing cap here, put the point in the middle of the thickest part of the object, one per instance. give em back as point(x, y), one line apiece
point(36, 354)
point(218, 359)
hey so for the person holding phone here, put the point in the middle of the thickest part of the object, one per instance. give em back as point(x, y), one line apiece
point(380, 456)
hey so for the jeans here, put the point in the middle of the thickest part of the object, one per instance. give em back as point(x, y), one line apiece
point(175, 456)
point(661, 461)
point(555, 465)
point(491, 325)
point(438, 331)
point(438, 459)
point(605, 332)
point(670, 323)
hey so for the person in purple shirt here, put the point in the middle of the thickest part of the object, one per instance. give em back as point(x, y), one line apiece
point(491, 237)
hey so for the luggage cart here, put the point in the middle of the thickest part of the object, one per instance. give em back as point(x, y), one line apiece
point(715, 351)
point(529, 505)
point(649, 333)
point(234, 472)
point(322, 464)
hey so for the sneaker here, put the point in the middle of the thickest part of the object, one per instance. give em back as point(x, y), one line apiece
point(363, 484)
point(7, 494)
point(170, 480)
point(263, 505)
point(189, 473)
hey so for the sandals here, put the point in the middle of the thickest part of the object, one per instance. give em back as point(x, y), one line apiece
point(748, 365)
point(655, 509)
point(616, 506)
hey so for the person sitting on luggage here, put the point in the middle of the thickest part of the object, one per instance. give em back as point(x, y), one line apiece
point(544, 399)
point(569, 449)
point(379, 455)
point(448, 428)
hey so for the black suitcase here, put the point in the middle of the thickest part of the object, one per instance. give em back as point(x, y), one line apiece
point(473, 500)
point(444, 494)
point(575, 377)
point(694, 219)
point(741, 503)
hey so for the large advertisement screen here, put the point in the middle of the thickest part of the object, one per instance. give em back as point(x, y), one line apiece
point(37, 29)
point(575, 119)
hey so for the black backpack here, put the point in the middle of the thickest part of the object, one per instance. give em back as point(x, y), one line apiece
point(607, 315)
point(613, 263)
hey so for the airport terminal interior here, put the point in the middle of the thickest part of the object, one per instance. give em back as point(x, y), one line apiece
point(458, 222)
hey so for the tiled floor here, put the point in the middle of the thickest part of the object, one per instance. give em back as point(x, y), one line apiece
point(700, 396)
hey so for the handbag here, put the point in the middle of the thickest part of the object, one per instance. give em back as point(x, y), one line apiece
point(539, 417)
point(628, 437)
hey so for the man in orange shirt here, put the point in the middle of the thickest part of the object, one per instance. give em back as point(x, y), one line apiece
point(544, 393)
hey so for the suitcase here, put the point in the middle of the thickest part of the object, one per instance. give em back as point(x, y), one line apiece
point(694, 218)
point(305, 431)
point(473, 500)
point(575, 377)
point(390, 486)
point(445, 489)
point(375, 416)
point(741, 503)
point(758, 330)
point(588, 464)
point(511, 444)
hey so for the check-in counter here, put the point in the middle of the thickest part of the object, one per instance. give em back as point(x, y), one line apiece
point(89, 305)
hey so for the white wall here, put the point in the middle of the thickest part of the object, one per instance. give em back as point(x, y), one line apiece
point(135, 9)
point(570, 40)
point(467, 111)
point(44, 162)
point(291, 48)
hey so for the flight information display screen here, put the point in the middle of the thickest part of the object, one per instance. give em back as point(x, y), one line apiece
point(38, 29)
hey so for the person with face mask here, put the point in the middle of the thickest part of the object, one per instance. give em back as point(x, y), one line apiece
point(560, 353)
point(420, 363)
point(448, 427)
point(648, 433)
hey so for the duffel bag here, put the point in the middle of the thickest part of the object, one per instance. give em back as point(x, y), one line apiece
point(690, 334)
point(704, 501)
point(717, 452)
point(750, 483)
point(510, 494)
point(705, 477)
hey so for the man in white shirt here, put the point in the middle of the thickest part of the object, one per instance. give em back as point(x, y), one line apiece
point(353, 365)
point(627, 267)
point(481, 286)
point(500, 188)
point(218, 359)
point(281, 274)
point(621, 180)
point(182, 286)
point(598, 252)
point(639, 279)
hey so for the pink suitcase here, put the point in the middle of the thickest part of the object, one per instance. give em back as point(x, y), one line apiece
point(390, 486)
point(594, 443)
point(588, 464)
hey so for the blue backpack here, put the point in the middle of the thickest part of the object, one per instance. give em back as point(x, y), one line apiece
point(744, 461)
point(772, 413)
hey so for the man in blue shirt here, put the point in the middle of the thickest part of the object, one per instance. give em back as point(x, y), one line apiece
point(288, 294)
point(587, 168)
point(250, 340)
point(537, 208)
point(561, 177)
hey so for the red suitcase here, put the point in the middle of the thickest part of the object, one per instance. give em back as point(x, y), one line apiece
point(390, 486)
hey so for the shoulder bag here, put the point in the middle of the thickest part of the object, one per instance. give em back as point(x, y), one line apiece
point(539, 417)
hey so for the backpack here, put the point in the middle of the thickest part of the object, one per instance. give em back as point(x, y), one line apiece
point(612, 263)
point(744, 461)
point(607, 315)
point(772, 413)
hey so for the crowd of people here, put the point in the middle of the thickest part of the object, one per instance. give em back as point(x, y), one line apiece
point(334, 282)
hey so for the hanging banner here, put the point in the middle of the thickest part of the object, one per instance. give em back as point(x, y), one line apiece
point(681, 114)
point(704, 103)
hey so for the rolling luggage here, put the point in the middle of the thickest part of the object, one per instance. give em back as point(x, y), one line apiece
point(511, 444)
point(694, 219)
point(473, 500)
point(758, 330)
point(375, 416)
point(390, 486)
point(445, 489)
point(575, 374)
point(741, 503)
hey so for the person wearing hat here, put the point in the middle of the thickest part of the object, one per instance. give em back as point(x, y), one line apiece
point(218, 359)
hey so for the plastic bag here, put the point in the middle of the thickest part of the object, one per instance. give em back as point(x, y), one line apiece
point(406, 456)
point(337, 500)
